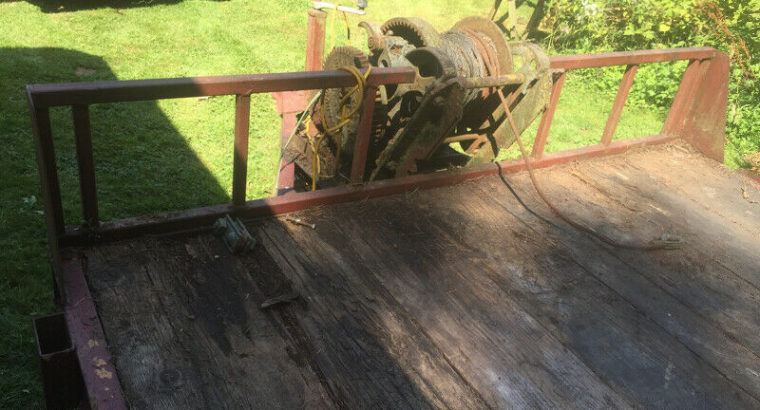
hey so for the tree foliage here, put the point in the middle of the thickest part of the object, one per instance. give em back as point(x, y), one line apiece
point(729, 25)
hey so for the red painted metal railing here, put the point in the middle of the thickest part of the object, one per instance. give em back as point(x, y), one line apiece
point(80, 95)
point(631, 59)
point(700, 92)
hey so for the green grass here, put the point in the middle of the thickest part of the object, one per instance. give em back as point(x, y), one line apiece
point(159, 156)
point(581, 116)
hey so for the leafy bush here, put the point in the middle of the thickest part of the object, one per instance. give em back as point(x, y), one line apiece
point(729, 25)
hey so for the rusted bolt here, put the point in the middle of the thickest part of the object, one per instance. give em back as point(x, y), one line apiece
point(299, 221)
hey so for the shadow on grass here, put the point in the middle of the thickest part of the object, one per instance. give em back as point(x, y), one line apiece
point(59, 6)
point(142, 163)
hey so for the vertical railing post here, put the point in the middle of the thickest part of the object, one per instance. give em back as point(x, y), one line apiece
point(87, 187)
point(617, 106)
point(240, 163)
point(704, 126)
point(546, 119)
point(363, 135)
point(315, 46)
point(315, 39)
point(51, 190)
point(684, 97)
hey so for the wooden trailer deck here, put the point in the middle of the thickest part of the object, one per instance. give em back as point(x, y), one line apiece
point(456, 297)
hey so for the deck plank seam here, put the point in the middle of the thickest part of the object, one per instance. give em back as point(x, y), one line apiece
point(602, 379)
point(410, 319)
point(622, 395)
point(630, 302)
point(310, 354)
point(422, 331)
point(707, 209)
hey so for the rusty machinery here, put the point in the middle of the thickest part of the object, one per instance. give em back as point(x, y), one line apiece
point(448, 117)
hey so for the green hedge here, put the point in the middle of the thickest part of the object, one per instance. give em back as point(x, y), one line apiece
point(729, 25)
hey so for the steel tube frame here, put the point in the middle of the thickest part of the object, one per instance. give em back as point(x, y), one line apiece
point(240, 161)
point(573, 62)
point(98, 92)
point(80, 95)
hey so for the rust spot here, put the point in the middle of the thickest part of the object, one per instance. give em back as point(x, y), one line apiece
point(103, 373)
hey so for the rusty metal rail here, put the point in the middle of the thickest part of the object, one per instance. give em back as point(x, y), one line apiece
point(702, 93)
point(631, 59)
point(572, 62)
point(80, 95)
point(52, 95)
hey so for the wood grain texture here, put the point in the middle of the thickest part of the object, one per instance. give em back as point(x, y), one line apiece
point(503, 352)
point(186, 330)
point(630, 273)
point(371, 353)
point(456, 297)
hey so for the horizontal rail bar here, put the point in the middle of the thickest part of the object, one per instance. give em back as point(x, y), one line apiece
point(50, 95)
point(194, 219)
point(571, 62)
point(463, 137)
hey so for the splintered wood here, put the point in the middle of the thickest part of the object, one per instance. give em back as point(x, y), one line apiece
point(457, 297)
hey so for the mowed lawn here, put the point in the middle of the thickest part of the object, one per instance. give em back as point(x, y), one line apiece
point(171, 154)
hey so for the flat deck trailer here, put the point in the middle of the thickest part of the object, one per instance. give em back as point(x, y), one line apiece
point(453, 297)
point(456, 289)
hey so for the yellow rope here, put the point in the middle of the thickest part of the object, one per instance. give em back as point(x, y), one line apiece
point(348, 29)
point(331, 38)
point(331, 43)
point(345, 117)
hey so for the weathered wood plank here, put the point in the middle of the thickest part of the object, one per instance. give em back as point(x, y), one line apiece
point(700, 179)
point(610, 335)
point(190, 334)
point(508, 357)
point(456, 297)
point(713, 273)
point(141, 339)
point(736, 362)
point(371, 353)
point(675, 173)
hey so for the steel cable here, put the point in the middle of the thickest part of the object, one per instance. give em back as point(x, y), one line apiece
point(492, 68)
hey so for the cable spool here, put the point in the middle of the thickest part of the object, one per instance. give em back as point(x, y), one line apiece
point(414, 123)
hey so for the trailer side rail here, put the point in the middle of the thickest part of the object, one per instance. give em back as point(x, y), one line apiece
point(697, 114)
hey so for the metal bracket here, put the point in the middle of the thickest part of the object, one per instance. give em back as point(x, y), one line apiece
point(234, 234)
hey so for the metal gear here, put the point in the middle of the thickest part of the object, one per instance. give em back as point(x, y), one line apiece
point(416, 31)
point(342, 57)
point(415, 123)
